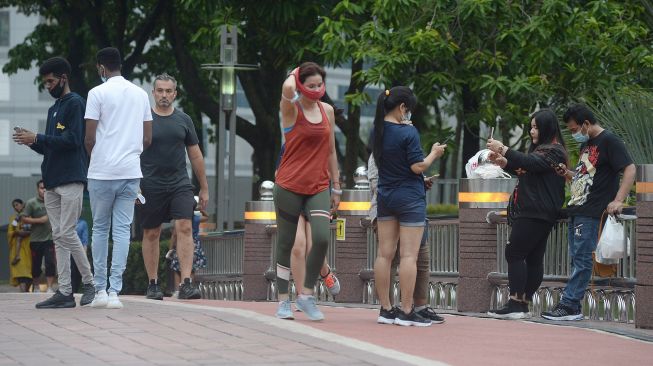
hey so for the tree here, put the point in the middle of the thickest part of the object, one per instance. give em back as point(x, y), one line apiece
point(77, 29)
point(489, 59)
point(274, 36)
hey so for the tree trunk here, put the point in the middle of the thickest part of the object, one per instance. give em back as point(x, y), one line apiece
point(352, 130)
point(471, 129)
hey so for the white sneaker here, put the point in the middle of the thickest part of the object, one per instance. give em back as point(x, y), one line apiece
point(114, 301)
point(36, 289)
point(49, 290)
point(101, 299)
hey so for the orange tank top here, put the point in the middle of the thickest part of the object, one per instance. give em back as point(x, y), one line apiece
point(304, 164)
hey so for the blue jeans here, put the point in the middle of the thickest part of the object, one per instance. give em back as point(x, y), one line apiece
point(583, 237)
point(112, 202)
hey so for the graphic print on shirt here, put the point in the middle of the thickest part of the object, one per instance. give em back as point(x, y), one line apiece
point(584, 178)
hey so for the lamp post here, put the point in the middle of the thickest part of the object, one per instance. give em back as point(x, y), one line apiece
point(225, 199)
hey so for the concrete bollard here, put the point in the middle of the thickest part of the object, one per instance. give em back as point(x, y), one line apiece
point(257, 251)
point(644, 249)
point(477, 250)
point(351, 254)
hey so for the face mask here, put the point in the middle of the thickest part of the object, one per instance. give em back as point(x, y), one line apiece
point(57, 91)
point(407, 116)
point(103, 76)
point(313, 94)
point(580, 137)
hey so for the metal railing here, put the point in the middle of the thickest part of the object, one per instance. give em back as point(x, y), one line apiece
point(556, 258)
point(442, 240)
point(222, 277)
point(444, 191)
point(608, 301)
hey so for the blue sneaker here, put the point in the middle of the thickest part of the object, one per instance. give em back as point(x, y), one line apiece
point(308, 307)
point(284, 311)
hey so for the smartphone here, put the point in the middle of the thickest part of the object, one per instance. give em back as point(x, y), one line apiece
point(433, 177)
point(141, 198)
point(491, 133)
point(18, 129)
point(449, 138)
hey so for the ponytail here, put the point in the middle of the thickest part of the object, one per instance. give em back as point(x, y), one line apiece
point(387, 101)
point(379, 117)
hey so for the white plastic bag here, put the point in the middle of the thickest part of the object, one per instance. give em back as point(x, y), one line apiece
point(611, 244)
point(478, 166)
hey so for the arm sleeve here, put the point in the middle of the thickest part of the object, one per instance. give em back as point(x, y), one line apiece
point(10, 228)
point(619, 157)
point(414, 153)
point(38, 147)
point(147, 112)
point(537, 161)
point(92, 106)
point(191, 135)
point(72, 127)
point(27, 211)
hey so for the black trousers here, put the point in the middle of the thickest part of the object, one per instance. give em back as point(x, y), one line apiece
point(525, 256)
point(75, 276)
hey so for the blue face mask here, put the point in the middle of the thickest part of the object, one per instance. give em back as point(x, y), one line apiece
point(103, 76)
point(580, 137)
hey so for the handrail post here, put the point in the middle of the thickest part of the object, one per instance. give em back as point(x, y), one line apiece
point(351, 253)
point(644, 247)
point(477, 250)
point(257, 248)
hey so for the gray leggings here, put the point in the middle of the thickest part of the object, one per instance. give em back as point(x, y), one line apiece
point(288, 206)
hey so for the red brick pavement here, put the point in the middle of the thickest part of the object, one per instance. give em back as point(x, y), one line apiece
point(228, 333)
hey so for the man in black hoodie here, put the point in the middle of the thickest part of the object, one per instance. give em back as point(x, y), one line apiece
point(64, 175)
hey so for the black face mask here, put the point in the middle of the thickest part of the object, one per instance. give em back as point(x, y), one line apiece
point(57, 91)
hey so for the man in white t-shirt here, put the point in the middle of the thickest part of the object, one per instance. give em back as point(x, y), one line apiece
point(118, 128)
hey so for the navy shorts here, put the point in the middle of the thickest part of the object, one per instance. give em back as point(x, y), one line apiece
point(410, 213)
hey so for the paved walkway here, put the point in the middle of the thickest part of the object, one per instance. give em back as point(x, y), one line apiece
point(209, 332)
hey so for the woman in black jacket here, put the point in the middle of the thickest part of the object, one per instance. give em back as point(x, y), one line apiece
point(533, 210)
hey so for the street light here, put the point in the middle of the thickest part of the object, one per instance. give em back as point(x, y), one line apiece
point(228, 65)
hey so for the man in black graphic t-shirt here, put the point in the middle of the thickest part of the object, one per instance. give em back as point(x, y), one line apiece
point(595, 188)
point(166, 187)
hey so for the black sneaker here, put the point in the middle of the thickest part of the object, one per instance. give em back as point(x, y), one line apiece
point(411, 318)
point(154, 292)
point(187, 291)
point(513, 309)
point(563, 312)
point(57, 301)
point(429, 313)
point(88, 294)
point(387, 316)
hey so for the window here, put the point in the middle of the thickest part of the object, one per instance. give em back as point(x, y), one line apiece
point(4, 29)
point(5, 137)
point(5, 87)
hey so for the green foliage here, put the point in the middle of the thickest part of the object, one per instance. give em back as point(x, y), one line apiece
point(134, 279)
point(77, 29)
point(441, 209)
point(628, 114)
point(481, 59)
point(501, 58)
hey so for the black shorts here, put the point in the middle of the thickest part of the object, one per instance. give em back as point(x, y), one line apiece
point(162, 206)
point(43, 250)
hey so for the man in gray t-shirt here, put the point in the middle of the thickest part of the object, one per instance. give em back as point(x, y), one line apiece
point(166, 187)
